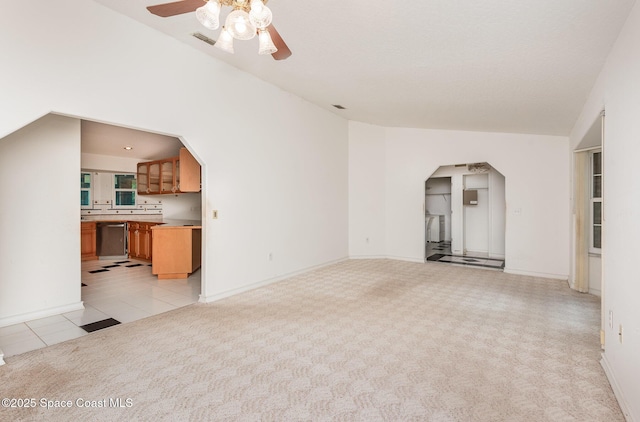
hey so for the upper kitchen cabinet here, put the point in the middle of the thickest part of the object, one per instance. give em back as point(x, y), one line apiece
point(168, 183)
point(149, 175)
point(189, 172)
point(170, 175)
point(143, 178)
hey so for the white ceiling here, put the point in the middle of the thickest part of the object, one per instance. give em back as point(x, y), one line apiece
point(491, 65)
point(103, 139)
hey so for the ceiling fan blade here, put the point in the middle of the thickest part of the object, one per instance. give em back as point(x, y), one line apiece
point(283, 51)
point(175, 8)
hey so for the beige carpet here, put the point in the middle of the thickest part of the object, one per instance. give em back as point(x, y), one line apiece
point(362, 340)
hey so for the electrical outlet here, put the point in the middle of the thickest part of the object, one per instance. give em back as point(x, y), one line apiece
point(270, 256)
point(367, 240)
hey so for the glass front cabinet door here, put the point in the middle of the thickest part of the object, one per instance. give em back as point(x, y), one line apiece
point(154, 177)
point(168, 182)
point(143, 178)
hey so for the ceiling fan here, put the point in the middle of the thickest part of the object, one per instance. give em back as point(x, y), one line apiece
point(279, 49)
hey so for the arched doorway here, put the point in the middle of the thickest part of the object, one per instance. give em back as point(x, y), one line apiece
point(465, 215)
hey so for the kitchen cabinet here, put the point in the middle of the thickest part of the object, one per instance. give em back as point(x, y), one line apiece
point(140, 240)
point(149, 178)
point(189, 172)
point(102, 189)
point(168, 171)
point(176, 251)
point(88, 241)
point(143, 178)
point(170, 175)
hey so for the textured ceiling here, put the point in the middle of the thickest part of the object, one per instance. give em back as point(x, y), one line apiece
point(492, 65)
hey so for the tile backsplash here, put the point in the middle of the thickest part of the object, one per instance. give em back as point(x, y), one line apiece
point(144, 207)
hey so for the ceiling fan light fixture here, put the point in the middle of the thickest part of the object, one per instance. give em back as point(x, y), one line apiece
point(266, 43)
point(239, 25)
point(247, 18)
point(260, 15)
point(209, 14)
point(225, 41)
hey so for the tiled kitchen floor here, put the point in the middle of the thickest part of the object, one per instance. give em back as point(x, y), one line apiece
point(441, 252)
point(126, 292)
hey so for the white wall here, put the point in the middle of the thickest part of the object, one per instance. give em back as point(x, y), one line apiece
point(595, 275)
point(367, 204)
point(108, 163)
point(280, 183)
point(618, 92)
point(537, 189)
point(40, 165)
point(185, 206)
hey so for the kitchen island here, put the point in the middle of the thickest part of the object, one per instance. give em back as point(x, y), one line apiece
point(176, 248)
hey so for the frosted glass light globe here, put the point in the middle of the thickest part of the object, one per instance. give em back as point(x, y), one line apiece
point(225, 41)
point(260, 14)
point(266, 43)
point(209, 14)
point(239, 25)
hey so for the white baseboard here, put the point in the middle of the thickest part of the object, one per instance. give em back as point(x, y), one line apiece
point(233, 292)
point(617, 391)
point(564, 277)
point(367, 257)
point(405, 258)
point(30, 316)
point(595, 292)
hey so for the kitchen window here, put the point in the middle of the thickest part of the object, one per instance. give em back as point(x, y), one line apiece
point(124, 191)
point(85, 190)
point(595, 244)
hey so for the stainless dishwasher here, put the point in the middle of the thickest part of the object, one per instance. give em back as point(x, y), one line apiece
point(111, 239)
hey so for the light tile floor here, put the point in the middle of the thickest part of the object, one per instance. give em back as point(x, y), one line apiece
point(441, 252)
point(122, 293)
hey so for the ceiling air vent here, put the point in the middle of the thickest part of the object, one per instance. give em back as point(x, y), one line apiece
point(478, 167)
point(339, 107)
point(204, 38)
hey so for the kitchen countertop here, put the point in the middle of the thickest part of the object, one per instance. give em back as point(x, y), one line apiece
point(123, 217)
point(142, 218)
point(194, 224)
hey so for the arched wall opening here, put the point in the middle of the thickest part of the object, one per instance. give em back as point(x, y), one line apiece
point(465, 213)
point(47, 157)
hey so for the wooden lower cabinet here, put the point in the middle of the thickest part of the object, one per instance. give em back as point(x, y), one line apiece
point(176, 251)
point(88, 241)
point(140, 240)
